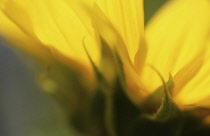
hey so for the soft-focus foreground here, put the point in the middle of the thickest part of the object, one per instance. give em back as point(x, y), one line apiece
point(112, 74)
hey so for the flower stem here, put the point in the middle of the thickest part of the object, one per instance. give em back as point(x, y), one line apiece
point(109, 115)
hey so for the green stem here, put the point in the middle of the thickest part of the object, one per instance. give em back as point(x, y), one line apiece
point(109, 116)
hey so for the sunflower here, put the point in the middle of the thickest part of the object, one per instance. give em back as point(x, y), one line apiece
point(175, 41)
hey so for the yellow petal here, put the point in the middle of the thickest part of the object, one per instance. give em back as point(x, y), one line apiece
point(128, 19)
point(140, 57)
point(18, 39)
point(188, 72)
point(56, 25)
point(78, 8)
point(175, 35)
point(197, 91)
point(109, 34)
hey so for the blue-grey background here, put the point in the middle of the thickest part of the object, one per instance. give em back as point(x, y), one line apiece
point(25, 109)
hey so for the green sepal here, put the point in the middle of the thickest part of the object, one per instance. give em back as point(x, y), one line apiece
point(167, 121)
point(100, 77)
point(154, 100)
point(110, 108)
point(168, 108)
point(120, 115)
point(125, 112)
point(115, 63)
point(106, 91)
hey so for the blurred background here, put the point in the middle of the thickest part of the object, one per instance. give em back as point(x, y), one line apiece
point(25, 109)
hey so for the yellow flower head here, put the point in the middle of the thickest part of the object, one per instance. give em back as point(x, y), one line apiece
point(176, 40)
point(178, 43)
point(54, 25)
